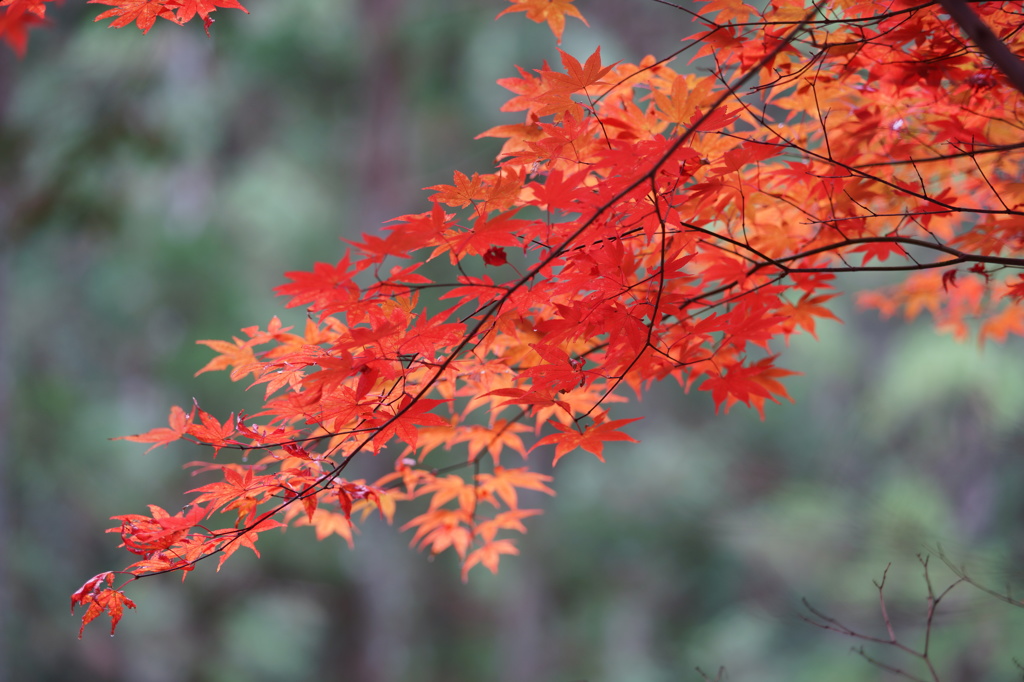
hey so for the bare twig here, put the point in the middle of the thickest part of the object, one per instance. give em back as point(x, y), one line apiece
point(820, 620)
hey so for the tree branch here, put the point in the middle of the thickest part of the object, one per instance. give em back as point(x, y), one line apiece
point(987, 41)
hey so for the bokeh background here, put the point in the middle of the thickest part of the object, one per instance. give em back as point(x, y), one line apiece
point(153, 190)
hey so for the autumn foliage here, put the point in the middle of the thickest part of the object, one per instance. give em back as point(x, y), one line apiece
point(648, 221)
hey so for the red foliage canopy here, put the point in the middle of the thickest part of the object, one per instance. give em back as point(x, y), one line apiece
point(641, 224)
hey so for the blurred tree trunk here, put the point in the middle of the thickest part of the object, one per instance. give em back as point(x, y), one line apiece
point(383, 156)
point(6, 216)
point(385, 598)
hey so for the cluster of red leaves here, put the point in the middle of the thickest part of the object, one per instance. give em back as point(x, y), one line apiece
point(641, 224)
point(144, 13)
point(18, 16)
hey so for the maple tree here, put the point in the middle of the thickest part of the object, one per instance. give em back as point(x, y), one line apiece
point(642, 223)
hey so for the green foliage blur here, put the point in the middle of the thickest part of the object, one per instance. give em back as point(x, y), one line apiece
point(154, 189)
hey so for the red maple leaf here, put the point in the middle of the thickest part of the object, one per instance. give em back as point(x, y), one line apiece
point(209, 431)
point(403, 423)
point(143, 12)
point(144, 535)
point(187, 9)
point(239, 490)
point(591, 438)
point(495, 256)
point(98, 599)
point(17, 17)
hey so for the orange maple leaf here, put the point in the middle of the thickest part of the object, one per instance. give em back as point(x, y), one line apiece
point(326, 523)
point(179, 421)
point(503, 483)
point(551, 11)
point(502, 434)
point(489, 555)
point(441, 529)
point(803, 312)
point(729, 11)
point(238, 355)
point(448, 488)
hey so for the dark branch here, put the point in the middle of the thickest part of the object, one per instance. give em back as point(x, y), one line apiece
point(987, 41)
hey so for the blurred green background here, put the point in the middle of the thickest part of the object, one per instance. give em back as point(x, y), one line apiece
point(153, 190)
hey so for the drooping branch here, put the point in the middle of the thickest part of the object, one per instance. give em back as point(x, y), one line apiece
point(665, 233)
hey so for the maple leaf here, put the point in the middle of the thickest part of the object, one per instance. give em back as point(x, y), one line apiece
point(591, 438)
point(448, 488)
point(465, 191)
point(748, 384)
point(179, 424)
point(503, 482)
point(576, 77)
point(403, 423)
point(238, 355)
point(519, 396)
point(685, 96)
point(144, 535)
point(561, 374)
point(328, 286)
point(97, 599)
point(560, 191)
point(499, 436)
point(143, 12)
point(17, 17)
point(729, 10)
point(235, 492)
point(511, 519)
point(186, 9)
point(881, 250)
point(803, 312)
point(1009, 320)
point(949, 279)
point(553, 12)
point(326, 523)
point(440, 529)
point(1015, 291)
point(488, 555)
point(209, 431)
point(247, 539)
point(527, 88)
point(383, 501)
